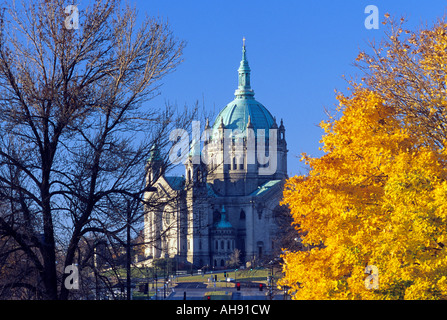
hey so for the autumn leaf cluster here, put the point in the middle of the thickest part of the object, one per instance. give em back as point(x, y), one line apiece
point(378, 196)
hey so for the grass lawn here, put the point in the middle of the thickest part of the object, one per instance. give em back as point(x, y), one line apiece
point(258, 275)
point(217, 295)
point(255, 275)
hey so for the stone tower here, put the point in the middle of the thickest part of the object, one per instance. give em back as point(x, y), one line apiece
point(229, 201)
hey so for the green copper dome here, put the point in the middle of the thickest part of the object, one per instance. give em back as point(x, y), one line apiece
point(223, 223)
point(244, 108)
point(236, 116)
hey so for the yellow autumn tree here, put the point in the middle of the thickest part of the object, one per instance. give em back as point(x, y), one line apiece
point(377, 199)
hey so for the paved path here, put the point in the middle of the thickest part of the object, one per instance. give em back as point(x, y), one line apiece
point(191, 285)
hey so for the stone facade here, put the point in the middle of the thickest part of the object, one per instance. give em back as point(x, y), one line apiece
point(227, 202)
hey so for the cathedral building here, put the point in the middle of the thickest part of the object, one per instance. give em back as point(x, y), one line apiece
point(230, 192)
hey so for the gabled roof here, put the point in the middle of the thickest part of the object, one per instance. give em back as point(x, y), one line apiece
point(175, 182)
point(265, 187)
point(210, 191)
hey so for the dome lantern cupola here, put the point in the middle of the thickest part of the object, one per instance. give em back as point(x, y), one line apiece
point(244, 90)
point(237, 113)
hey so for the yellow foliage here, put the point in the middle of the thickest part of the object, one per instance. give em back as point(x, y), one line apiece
point(377, 197)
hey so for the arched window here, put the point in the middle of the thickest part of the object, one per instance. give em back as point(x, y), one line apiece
point(167, 216)
point(260, 245)
point(242, 215)
point(216, 216)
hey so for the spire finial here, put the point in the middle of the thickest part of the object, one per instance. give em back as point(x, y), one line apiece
point(221, 126)
point(274, 125)
point(249, 124)
point(244, 54)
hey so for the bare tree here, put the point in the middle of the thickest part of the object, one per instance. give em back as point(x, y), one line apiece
point(235, 259)
point(74, 133)
point(407, 68)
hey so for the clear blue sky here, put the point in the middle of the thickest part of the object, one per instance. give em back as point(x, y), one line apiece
point(297, 50)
